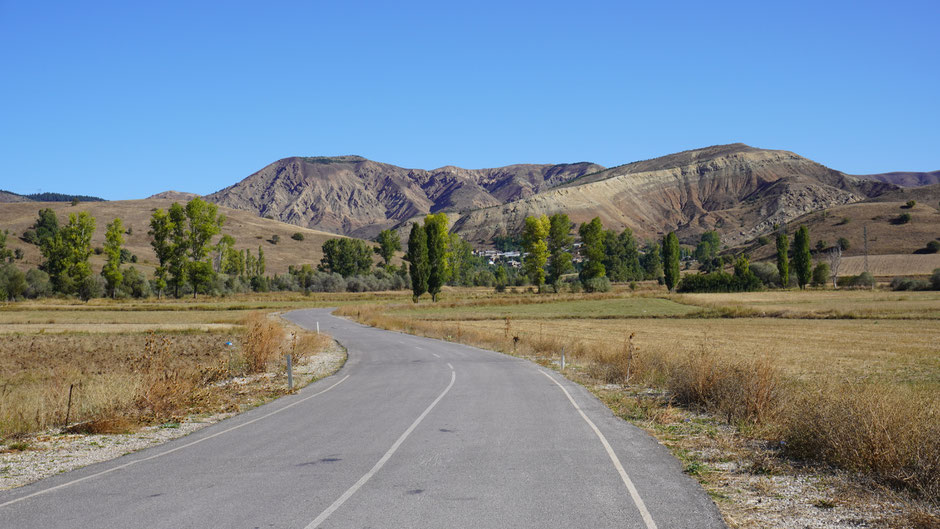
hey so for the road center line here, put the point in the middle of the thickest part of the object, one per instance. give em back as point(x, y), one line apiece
point(436, 355)
point(378, 466)
point(650, 524)
point(161, 454)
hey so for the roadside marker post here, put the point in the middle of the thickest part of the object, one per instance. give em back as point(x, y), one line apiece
point(290, 374)
point(562, 358)
point(318, 327)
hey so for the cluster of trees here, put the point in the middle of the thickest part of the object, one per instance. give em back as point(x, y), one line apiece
point(605, 254)
point(180, 238)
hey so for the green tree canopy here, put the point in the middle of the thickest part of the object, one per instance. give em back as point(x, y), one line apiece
point(671, 260)
point(389, 243)
point(592, 250)
point(435, 227)
point(114, 241)
point(559, 239)
point(621, 256)
point(706, 253)
point(802, 258)
point(534, 234)
point(346, 257)
point(417, 258)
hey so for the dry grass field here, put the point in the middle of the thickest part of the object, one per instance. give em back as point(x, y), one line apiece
point(891, 265)
point(138, 363)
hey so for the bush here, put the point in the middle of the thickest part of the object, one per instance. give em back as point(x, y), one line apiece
point(12, 283)
point(843, 243)
point(863, 280)
point(908, 283)
point(767, 273)
point(597, 284)
point(135, 284)
point(903, 218)
point(933, 246)
point(935, 279)
point(763, 240)
point(91, 287)
point(262, 342)
point(910, 204)
point(38, 284)
point(297, 236)
point(275, 239)
point(820, 275)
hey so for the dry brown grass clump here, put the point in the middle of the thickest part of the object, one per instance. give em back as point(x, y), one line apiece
point(891, 435)
point(262, 342)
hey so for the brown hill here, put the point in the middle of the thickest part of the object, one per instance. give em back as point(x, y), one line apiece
point(8, 197)
point(905, 179)
point(738, 190)
point(248, 230)
point(359, 197)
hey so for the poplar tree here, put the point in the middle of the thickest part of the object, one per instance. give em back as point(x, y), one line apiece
point(417, 258)
point(113, 241)
point(435, 227)
point(783, 260)
point(671, 260)
point(802, 258)
point(559, 238)
point(160, 229)
point(592, 240)
point(533, 242)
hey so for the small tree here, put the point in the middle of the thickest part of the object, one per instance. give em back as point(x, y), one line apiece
point(843, 243)
point(802, 259)
point(671, 260)
point(204, 223)
point(417, 258)
point(534, 233)
point(835, 261)
point(297, 236)
point(706, 253)
point(111, 272)
point(820, 275)
point(347, 257)
point(389, 243)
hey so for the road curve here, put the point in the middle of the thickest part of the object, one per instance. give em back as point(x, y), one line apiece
point(412, 432)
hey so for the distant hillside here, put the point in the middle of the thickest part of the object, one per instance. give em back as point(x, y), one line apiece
point(738, 190)
point(905, 179)
point(358, 197)
point(248, 230)
point(9, 196)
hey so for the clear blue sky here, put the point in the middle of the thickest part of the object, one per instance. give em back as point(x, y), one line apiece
point(126, 99)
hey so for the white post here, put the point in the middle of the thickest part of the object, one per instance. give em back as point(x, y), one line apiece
point(562, 358)
point(318, 327)
point(290, 374)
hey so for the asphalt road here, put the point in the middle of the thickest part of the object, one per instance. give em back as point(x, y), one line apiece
point(412, 432)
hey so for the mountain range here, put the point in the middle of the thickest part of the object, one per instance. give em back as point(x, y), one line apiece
point(739, 190)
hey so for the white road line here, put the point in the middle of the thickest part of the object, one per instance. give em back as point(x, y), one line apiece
point(450, 366)
point(362, 481)
point(650, 524)
point(161, 454)
point(437, 355)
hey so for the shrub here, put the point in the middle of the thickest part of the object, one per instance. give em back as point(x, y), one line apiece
point(933, 246)
point(820, 274)
point(297, 236)
point(903, 218)
point(91, 287)
point(37, 284)
point(908, 283)
point(767, 273)
point(275, 239)
point(763, 240)
point(597, 284)
point(843, 243)
point(935, 279)
point(910, 204)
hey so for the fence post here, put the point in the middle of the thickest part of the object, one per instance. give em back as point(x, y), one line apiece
point(562, 358)
point(290, 374)
point(68, 409)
